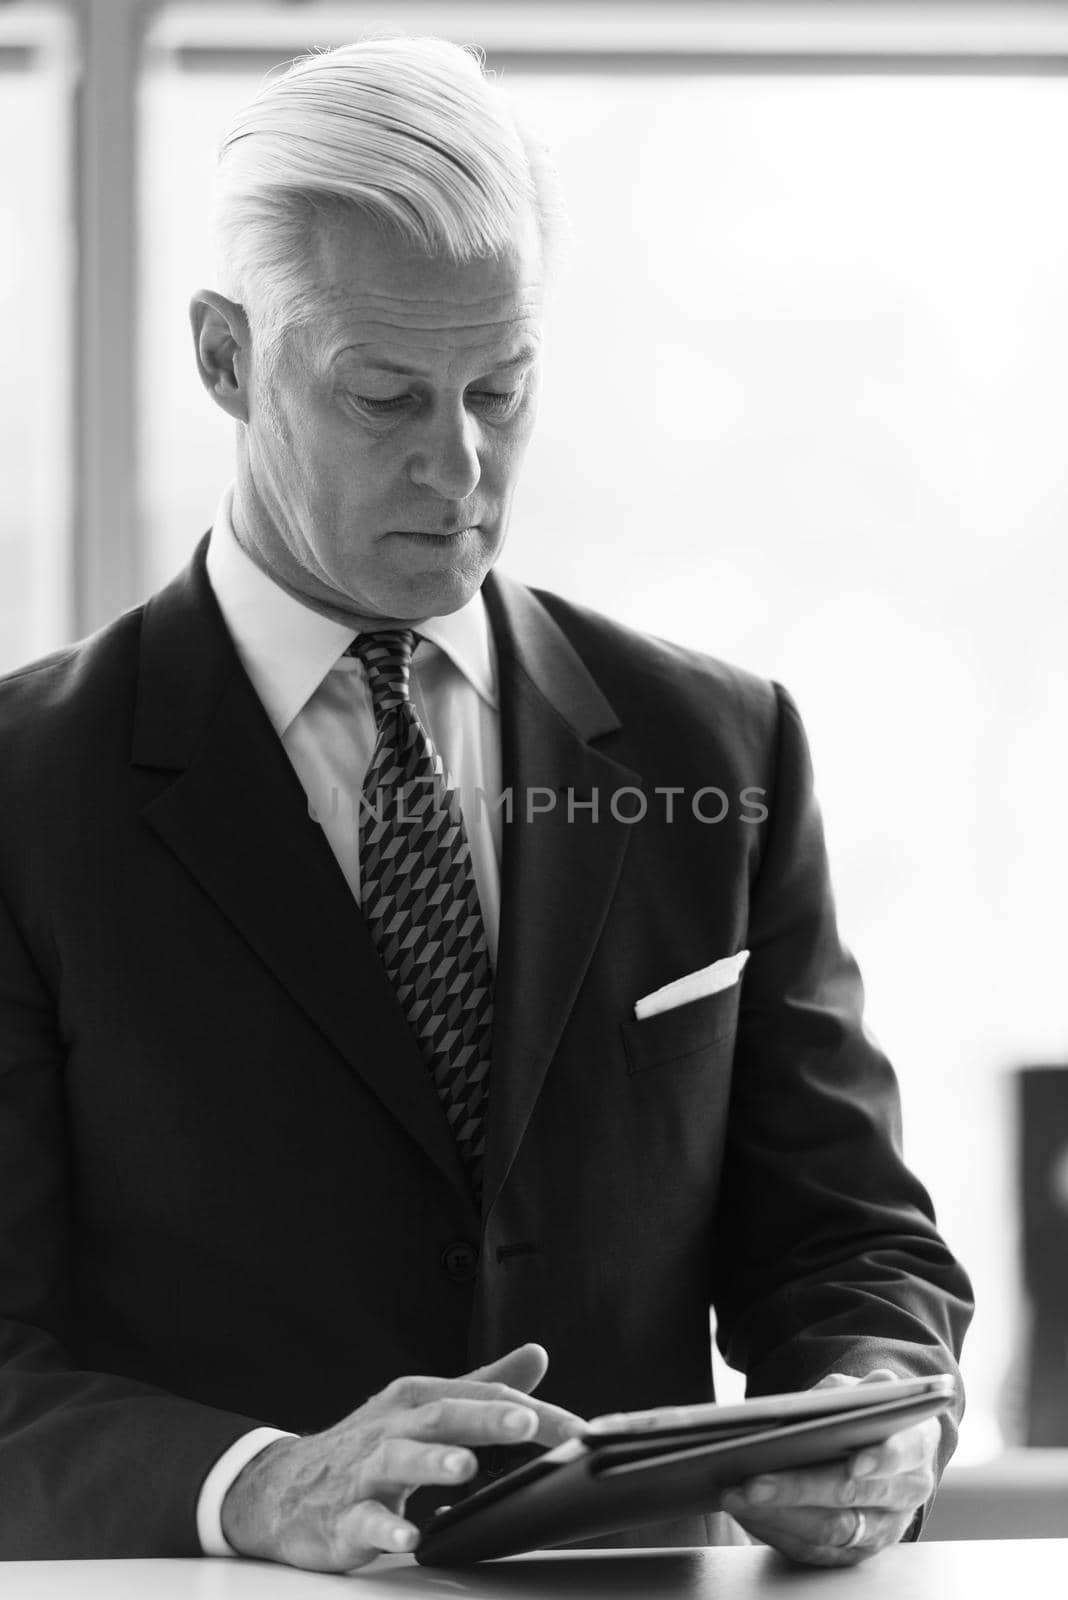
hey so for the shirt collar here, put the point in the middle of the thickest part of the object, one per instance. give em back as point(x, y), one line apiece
point(287, 649)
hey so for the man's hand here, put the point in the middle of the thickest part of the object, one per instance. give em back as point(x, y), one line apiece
point(335, 1500)
point(835, 1516)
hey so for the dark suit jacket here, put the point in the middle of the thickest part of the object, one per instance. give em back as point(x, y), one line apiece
point(229, 1196)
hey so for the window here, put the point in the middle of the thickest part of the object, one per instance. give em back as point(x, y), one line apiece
point(36, 62)
point(803, 408)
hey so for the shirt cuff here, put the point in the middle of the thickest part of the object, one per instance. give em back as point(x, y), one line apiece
point(222, 1475)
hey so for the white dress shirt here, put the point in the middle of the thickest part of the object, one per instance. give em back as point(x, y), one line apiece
point(319, 705)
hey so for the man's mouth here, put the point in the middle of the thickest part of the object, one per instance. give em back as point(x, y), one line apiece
point(438, 535)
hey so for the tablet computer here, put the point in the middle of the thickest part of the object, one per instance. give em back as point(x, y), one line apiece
point(630, 1468)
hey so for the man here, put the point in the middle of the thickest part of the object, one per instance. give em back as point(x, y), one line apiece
point(327, 1119)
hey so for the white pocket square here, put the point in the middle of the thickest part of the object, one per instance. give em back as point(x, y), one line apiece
point(695, 985)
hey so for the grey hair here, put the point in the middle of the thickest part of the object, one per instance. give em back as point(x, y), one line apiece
point(410, 132)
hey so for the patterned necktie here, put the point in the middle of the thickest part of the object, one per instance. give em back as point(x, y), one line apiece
point(418, 896)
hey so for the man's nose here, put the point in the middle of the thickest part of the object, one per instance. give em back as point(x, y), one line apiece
point(446, 459)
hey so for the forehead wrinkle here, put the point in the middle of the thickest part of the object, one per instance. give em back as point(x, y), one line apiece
point(391, 342)
point(383, 363)
point(406, 316)
point(357, 315)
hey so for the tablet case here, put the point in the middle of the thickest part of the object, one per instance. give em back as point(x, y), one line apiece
point(603, 1485)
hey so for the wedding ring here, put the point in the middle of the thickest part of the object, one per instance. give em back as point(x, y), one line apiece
point(859, 1531)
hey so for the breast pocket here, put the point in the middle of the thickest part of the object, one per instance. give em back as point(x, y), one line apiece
point(687, 1030)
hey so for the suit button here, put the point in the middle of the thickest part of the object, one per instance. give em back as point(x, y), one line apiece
point(460, 1262)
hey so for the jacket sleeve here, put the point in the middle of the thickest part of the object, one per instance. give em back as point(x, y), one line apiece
point(828, 1257)
point(92, 1464)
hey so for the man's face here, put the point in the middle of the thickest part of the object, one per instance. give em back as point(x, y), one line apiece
point(401, 418)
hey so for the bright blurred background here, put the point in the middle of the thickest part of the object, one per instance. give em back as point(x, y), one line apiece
point(805, 408)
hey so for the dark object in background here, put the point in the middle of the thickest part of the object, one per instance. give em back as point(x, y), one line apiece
point(1043, 1169)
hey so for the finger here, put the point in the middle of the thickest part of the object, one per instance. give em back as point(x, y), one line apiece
point(817, 1487)
point(820, 1537)
point(905, 1451)
point(844, 1380)
point(367, 1530)
point(831, 1487)
point(800, 1550)
point(522, 1368)
point(400, 1464)
point(463, 1421)
point(807, 1555)
point(551, 1424)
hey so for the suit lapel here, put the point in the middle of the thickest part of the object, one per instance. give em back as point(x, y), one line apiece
point(236, 816)
point(559, 873)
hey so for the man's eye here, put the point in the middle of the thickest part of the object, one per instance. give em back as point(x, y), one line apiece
point(487, 399)
point(493, 401)
point(393, 404)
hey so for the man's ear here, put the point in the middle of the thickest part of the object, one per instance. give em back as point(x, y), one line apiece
point(222, 341)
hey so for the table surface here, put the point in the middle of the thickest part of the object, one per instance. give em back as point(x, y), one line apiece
point(1033, 1568)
